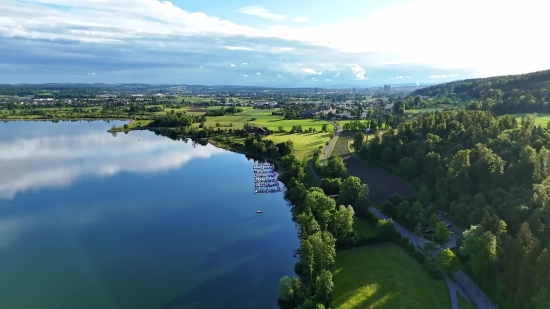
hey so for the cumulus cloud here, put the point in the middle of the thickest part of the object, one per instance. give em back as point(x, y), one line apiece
point(259, 73)
point(244, 75)
point(260, 11)
point(244, 63)
point(358, 72)
point(300, 19)
point(311, 71)
point(328, 80)
point(232, 65)
point(145, 37)
point(443, 76)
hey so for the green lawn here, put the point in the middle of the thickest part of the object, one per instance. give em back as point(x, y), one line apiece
point(304, 143)
point(542, 118)
point(384, 277)
point(363, 227)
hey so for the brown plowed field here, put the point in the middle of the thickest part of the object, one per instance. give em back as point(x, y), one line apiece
point(381, 184)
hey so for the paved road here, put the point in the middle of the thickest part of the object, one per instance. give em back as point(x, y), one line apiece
point(465, 284)
point(328, 149)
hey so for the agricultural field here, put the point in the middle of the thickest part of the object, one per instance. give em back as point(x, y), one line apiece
point(304, 143)
point(542, 118)
point(381, 184)
point(341, 146)
point(384, 277)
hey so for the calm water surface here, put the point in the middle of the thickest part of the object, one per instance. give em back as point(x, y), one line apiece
point(89, 220)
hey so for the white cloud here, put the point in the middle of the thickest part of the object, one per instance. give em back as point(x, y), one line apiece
point(259, 73)
point(244, 63)
point(144, 23)
point(52, 162)
point(283, 49)
point(201, 66)
point(238, 48)
point(443, 76)
point(300, 64)
point(300, 19)
point(401, 77)
point(328, 80)
point(260, 11)
point(92, 74)
point(244, 75)
point(336, 75)
point(311, 71)
point(358, 72)
point(232, 65)
point(313, 78)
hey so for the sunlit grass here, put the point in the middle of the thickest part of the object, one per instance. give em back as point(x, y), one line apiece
point(384, 277)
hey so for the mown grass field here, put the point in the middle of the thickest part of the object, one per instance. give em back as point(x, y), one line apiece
point(341, 146)
point(542, 118)
point(384, 278)
point(304, 143)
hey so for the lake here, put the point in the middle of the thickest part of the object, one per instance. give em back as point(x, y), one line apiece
point(90, 220)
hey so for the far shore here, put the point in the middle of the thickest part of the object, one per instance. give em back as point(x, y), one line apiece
point(66, 119)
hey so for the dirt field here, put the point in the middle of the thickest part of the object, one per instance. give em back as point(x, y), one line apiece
point(381, 184)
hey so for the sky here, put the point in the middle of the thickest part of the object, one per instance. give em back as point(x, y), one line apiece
point(284, 43)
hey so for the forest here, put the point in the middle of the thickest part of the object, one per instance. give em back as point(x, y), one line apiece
point(491, 175)
point(526, 93)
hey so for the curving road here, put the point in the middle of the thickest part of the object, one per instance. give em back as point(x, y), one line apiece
point(464, 285)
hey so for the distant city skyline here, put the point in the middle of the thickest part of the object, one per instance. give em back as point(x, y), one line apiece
point(259, 43)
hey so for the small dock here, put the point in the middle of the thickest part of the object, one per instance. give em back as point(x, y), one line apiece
point(265, 178)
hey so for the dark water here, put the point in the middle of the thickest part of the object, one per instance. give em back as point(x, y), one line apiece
point(93, 221)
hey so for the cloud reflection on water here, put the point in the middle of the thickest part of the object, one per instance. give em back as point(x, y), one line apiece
point(58, 161)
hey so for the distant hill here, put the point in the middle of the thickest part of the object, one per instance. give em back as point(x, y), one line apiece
point(526, 93)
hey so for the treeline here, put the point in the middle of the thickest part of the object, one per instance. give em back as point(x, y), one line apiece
point(488, 173)
point(322, 227)
point(223, 111)
point(177, 120)
point(526, 93)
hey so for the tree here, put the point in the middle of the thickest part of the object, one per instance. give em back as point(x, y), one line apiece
point(324, 128)
point(434, 220)
point(307, 225)
point(362, 202)
point(285, 289)
point(385, 227)
point(430, 247)
point(480, 246)
point(442, 233)
point(335, 168)
point(349, 191)
point(358, 140)
point(448, 261)
point(342, 225)
point(323, 287)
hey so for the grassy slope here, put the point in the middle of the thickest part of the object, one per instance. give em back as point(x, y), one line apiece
point(384, 277)
point(542, 119)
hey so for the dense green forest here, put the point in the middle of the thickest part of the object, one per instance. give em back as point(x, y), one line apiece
point(490, 174)
point(526, 93)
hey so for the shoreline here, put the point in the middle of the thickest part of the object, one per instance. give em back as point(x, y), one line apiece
point(67, 119)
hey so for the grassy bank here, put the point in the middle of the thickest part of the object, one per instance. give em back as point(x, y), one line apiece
point(384, 277)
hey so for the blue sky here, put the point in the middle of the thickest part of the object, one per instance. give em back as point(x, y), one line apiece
point(285, 43)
